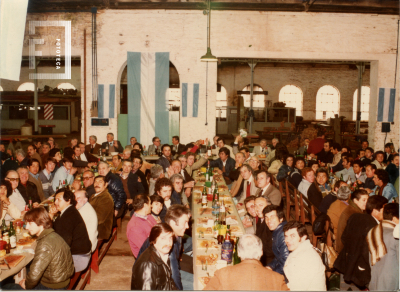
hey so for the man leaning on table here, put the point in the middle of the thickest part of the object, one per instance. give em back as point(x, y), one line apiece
point(238, 277)
point(52, 265)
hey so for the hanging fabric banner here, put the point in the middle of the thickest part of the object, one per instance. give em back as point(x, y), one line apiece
point(386, 101)
point(190, 100)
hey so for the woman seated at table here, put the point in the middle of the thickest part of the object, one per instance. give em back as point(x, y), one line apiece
point(7, 207)
point(308, 188)
point(254, 163)
point(322, 181)
point(277, 163)
point(286, 168)
point(157, 203)
point(294, 176)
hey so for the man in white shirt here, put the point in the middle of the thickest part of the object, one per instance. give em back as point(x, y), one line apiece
point(347, 170)
point(359, 175)
point(88, 214)
point(16, 197)
point(249, 185)
point(303, 267)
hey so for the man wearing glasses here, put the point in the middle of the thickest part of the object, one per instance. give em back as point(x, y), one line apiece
point(16, 198)
point(155, 147)
point(88, 180)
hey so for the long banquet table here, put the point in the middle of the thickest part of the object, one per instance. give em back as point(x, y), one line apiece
point(201, 215)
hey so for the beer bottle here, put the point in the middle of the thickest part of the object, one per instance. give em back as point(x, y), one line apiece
point(4, 228)
point(341, 177)
point(209, 149)
point(204, 198)
point(236, 258)
point(208, 171)
point(13, 236)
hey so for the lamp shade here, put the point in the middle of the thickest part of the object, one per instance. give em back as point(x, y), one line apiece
point(208, 57)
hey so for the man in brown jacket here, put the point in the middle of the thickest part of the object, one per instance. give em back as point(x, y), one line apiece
point(336, 208)
point(237, 277)
point(357, 204)
point(103, 204)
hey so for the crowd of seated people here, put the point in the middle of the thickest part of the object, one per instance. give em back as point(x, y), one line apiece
point(158, 196)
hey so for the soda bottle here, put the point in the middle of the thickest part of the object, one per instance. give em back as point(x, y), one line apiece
point(227, 249)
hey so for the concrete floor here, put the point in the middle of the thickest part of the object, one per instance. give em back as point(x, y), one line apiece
point(115, 270)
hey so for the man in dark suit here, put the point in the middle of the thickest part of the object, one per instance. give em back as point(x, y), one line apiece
point(113, 145)
point(93, 147)
point(165, 159)
point(88, 180)
point(263, 232)
point(176, 147)
point(132, 184)
point(85, 155)
point(224, 163)
point(137, 164)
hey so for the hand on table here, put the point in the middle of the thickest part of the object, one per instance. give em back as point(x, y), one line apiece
point(22, 283)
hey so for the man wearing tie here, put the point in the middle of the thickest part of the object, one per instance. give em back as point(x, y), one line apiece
point(113, 145)
point(267, 190)
point(93, 147)
point(155, 147)
point(176, 147)
point(263, 149)
point(249, 186)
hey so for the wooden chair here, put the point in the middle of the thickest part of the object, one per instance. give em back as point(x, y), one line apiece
point(85, 275)
point(99, 254)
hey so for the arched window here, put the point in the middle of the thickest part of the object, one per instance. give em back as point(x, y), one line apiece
point(365, 93)
point(258, 99)
point(328, 102)
point(27, 86)
point(65, 86)
point(221, 103)
point(293, 97)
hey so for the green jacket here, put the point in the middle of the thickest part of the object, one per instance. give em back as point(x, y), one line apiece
point(103, 204)
point(52, 265)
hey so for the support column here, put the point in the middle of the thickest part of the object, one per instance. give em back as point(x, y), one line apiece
point(35, 101)
point(252, 64)
point(361, 69)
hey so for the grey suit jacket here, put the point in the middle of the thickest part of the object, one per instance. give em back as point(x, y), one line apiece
point(152, 149)
point(257, 150)
point(272, 193)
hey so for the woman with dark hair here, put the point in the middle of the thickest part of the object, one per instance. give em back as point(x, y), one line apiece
point(56, 154)
point(294, 176)
point(157, 204)
point(152, 270)
point(6, 206)
point(286, 168)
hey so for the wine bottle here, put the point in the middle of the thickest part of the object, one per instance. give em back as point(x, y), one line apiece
point(204, 198)
point(13, 236)
point(4, 228)
point(209, 149)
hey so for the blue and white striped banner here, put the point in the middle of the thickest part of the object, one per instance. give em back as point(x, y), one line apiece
point(148, 81)
point(190, 100)
point(386, 104)
point(106, 101)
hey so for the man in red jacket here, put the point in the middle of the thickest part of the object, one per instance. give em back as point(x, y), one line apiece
point(316, 145)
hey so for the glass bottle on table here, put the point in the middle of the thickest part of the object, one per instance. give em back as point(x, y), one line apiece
point(236, 259)
point(227, 249)
point(4, 228)
point(208, 171)
point(209, 153)
point(204, 200)
point(222, 211)
point(13, 236)
point(30, 205)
